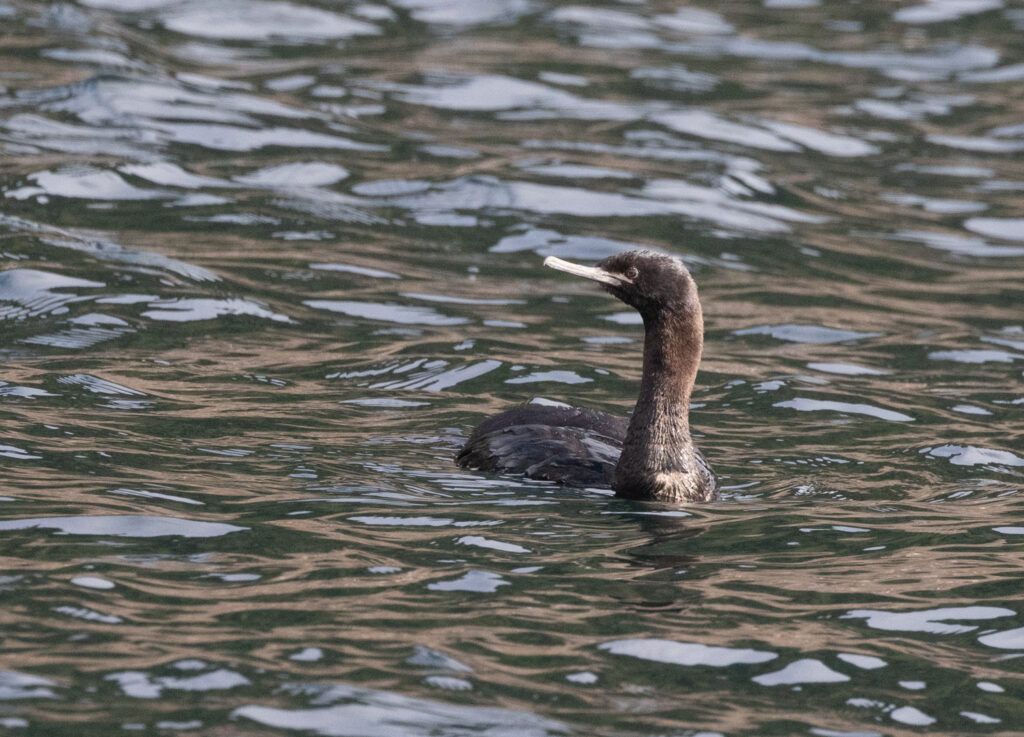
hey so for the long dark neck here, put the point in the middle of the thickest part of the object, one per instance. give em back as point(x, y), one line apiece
point(658, 458)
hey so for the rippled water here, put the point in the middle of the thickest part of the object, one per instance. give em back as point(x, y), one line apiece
point(264, 264)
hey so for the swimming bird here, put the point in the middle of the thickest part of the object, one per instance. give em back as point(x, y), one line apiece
point(648, 456)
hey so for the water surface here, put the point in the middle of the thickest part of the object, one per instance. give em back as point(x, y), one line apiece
point(264, 264)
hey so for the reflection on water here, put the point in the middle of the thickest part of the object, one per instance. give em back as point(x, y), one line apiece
point(264, 264)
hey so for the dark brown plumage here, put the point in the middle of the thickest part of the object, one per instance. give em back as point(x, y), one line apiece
point(649, 456)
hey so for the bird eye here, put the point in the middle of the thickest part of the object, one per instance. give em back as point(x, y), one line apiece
point(632, 273)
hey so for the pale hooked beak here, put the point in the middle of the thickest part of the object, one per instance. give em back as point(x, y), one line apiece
point(594, 273)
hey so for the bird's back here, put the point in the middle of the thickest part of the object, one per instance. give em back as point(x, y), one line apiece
point(568, 445)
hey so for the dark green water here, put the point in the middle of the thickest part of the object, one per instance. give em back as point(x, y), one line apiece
point(264, 265)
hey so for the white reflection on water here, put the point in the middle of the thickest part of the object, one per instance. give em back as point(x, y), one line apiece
point(435, 376)
point(1012, 337)
point(1008, 228)
point(865, 662)
point(480, 582)
point(403, 521)
point(84, 183)
point(1006, 640)
point(387, 402)
point(1009, 73)
point(369, 712)
point(14, 685)
point(189, 310)
point(915, 107)
point(945, 60)
point(453, 300)
point(821, 141)
point(912, 716)
point(35, 292)
point(970, 455)
point(156, 495)
point(295, 174)
point(96, 385)
point(546, 242)
point(449, 683)
point(975, 356)
point(428, 657)
point(126, 101)
point(970, 409)
point(561, 377)
point(980, 144)
point(257, 20)
point(88, 615)
point(622, 29)
point(820, 732)
point(575, 171)
point(518, 99)
point(806, 670)
point(928, 620)
point(846, 369)
point(711, 36)
point(97, 246)
point(97, 318)
point(685, 653)
point(25, 392)
point(956, 243)
point(709, 125)
point(236, 138)
point(806, 333)
point(464, 13)
point(387, 312)
point(19, 454)
point(126, 525)
point(485, 542)
point(92, 582)
point(694, 21)
point(142, 685)
point(492, 93)
point(724, 203)
point(803, 404)
point(659, 197)
point(307, 655)
point(990, 687)
point(939, 11)
point(120, 142)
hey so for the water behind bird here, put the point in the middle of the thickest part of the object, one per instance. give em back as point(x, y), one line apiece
point(264, 265)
